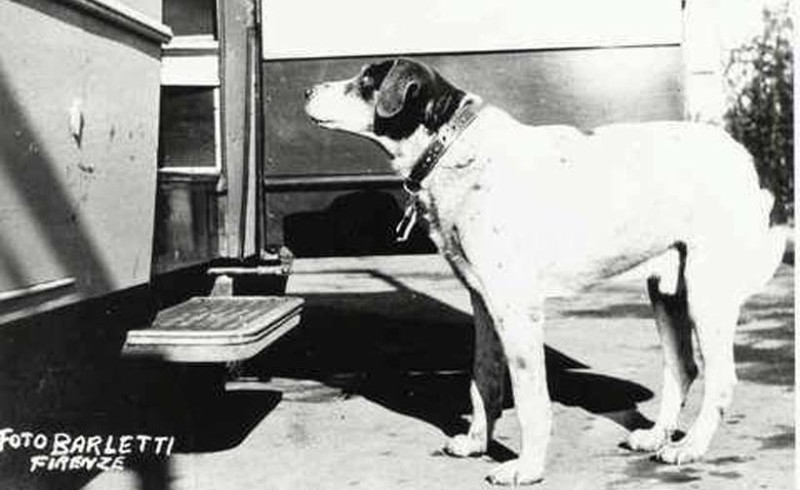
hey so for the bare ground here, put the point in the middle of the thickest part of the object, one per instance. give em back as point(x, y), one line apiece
point(364, 393)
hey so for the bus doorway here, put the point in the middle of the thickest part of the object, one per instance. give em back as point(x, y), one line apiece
point(208, 149)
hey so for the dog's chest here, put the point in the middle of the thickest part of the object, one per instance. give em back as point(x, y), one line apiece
point(447, 197)
point(494, 175)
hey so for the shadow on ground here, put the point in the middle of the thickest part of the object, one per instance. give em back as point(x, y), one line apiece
point(63, 373)
point(764, 349)
point(412, 354)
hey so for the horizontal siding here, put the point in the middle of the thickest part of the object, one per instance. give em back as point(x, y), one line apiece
point(585, 88)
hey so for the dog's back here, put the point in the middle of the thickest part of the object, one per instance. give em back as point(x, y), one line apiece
point(639, 188)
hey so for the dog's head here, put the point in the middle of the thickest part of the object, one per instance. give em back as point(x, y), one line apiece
point(391, 99)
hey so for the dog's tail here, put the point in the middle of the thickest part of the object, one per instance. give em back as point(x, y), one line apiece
point(768, 251)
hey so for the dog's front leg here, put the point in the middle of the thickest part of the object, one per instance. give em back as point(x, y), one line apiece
point(486, 388)
point(522, 335)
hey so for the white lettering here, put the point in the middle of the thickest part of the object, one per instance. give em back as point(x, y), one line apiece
point(109, 449)
point(39, 442)
point(118, 464)
point(39, 461)
point(125, 444)
point(78, 445)
point(159, 443)
point(26, 438)
point(143, 440)
point(4, 437)
point(60, 444)
point(93, 445)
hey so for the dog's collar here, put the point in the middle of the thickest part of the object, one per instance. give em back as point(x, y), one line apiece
point(444, 138)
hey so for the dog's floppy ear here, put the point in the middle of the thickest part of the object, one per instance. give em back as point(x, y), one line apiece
point(412, 94)
point(400, 86)
point(440, 108)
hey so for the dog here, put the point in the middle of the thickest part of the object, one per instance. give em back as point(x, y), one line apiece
point(523, 213)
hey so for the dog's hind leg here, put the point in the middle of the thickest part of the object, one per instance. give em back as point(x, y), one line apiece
point(675, 331)
point(713, 307)
point(486, 388)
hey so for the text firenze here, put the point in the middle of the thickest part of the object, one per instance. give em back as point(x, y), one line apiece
point(66, 452)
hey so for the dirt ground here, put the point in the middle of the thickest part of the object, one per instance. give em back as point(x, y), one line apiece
point(365, 391)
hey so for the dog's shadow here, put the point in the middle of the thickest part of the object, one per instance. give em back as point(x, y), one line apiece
point(412, 354)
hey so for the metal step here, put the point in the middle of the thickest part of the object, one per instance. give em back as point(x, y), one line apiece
point(215, 329)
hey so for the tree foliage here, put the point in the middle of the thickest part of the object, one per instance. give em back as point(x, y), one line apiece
point(760, 113)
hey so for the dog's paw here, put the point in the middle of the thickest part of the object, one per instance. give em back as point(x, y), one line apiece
point(684, 451)
point(464, 446)
point(647, 440)
point(516, 472)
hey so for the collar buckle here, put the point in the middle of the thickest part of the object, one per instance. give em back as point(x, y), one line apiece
point(426, 163)
point(406, 224)
point(440, 144)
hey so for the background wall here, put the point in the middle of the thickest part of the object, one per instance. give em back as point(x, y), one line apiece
point(307, 28)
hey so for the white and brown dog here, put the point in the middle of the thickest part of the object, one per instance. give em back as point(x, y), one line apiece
point(524, 213)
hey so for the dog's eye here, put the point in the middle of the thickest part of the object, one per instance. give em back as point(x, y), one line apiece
point(366, 86)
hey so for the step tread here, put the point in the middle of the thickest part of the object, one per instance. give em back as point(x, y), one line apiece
point(210, 329)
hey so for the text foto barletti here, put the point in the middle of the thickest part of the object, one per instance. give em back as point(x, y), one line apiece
point(61, 451)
